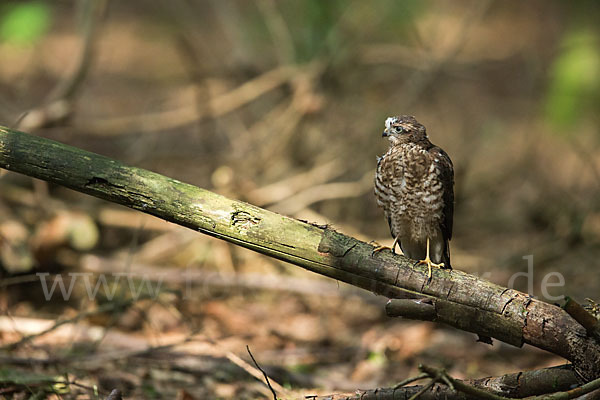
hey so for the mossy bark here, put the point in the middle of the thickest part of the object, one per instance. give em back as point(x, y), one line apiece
point(460, 299)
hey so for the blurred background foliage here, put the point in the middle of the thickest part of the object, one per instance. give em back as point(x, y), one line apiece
point(24, 23)
point(281, 104)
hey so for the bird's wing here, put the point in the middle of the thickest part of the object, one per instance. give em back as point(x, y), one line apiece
point(447, 179)
point(383, 189)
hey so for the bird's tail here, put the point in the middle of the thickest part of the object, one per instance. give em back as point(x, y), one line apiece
point(446, 256)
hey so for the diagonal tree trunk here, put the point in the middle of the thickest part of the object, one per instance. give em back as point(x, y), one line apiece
point(457, 299)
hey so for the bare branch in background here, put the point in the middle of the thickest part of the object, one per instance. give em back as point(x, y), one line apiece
point(327, 191)
point(279, 191)
point(59, 103)
point(420, 79)
point(219, 106)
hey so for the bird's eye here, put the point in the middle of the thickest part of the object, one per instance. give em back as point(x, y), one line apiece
point(399, 129)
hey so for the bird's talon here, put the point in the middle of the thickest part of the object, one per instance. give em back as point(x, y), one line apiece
point(429, 264)
point(378, 249)
point(427, 261)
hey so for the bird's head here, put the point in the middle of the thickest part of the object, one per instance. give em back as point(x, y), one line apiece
point(404, 129)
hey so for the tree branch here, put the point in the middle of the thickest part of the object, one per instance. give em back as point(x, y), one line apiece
point(459, 299)
point(517, 385)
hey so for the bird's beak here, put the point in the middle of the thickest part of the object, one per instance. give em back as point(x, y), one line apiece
point(385, 133)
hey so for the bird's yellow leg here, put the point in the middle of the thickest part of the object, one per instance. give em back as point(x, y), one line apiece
point(393, 248)
point(429, 263)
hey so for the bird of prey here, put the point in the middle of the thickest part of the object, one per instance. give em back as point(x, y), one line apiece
point(414, 184)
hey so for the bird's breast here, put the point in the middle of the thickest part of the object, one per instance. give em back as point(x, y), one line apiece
point(418, 188)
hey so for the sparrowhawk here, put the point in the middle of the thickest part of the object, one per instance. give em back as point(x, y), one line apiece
point(414, 186)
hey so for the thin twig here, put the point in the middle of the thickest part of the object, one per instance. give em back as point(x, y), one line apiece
point(411, 380)
point(573, 393)
point(263, 372)
point(249, 368)
point(425, 388)
point(441, 375)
